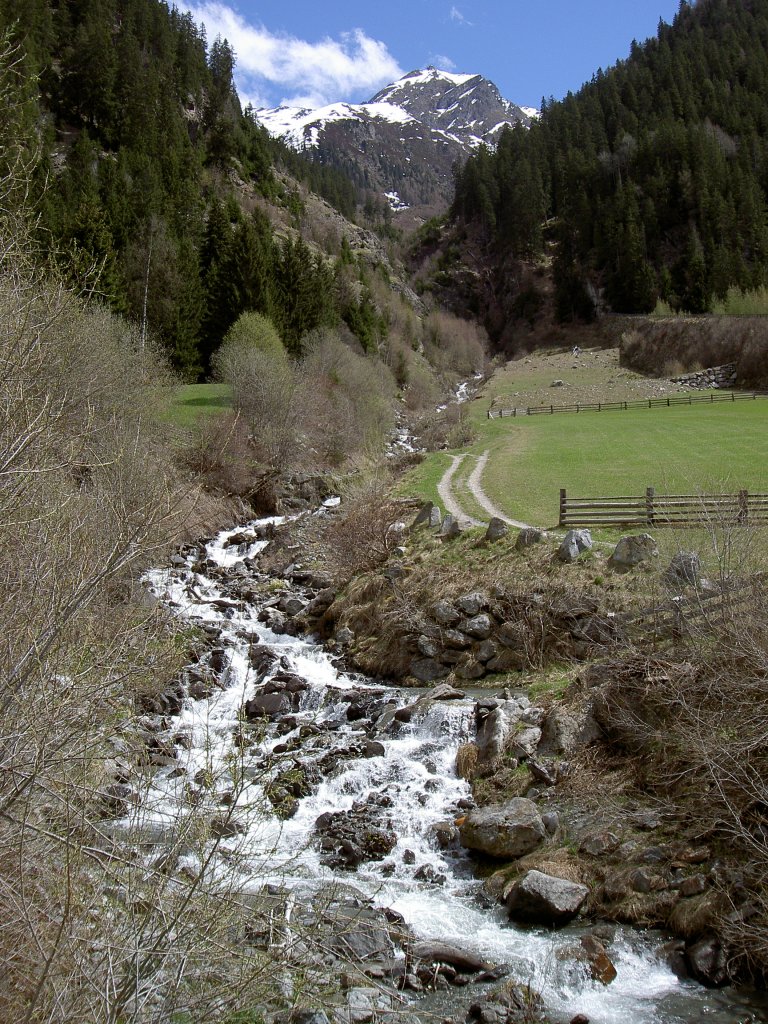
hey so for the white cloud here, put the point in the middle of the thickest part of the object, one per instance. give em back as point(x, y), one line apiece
point(271, 66)
point(443, 62)
point(456, 15)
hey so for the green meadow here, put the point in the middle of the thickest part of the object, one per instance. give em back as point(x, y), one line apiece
point(685, 449)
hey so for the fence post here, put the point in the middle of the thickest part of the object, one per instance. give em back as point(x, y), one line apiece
point(552, 410)
point(649, 495)
point(743, 514)
point(563, 506)
point(733, 396)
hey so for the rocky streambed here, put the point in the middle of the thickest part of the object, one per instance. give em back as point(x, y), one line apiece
point(334, 802)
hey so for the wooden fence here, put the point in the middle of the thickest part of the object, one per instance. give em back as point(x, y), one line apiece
point(685, 618)
point(653, 509)
point(646, 403)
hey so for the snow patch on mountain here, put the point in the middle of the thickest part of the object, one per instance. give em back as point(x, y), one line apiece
point(300, 127)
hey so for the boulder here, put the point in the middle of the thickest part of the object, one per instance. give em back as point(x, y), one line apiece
point(632, 550)
point(292, 605)
point(445, 613)
point(595, 844)
point(451, 528)
point(497, 530)
point(427, 647)
point(472, 604)
point(566, 730)
point(366, 1004)
point(435, 519)
point(545, 899)
point(268, 705)
point(498, 723)
point(528, 537)
point(427, 670)
point(707, 962)
point(443, 953)
point(455, 640)
point(478, 627)
point(685, 569)
point(525, 742)
point(574, 543)
point(510, 830)
point(512, 634)
point(600, 964)
point(486, 651)
point(508, 661)
point(424, 514)
point(444, 691)
point(470, 668)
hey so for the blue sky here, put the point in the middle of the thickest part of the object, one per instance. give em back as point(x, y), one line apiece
point(314, 51)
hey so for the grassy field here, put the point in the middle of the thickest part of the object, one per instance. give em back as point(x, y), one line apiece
point(191, 402)
point(683, 449)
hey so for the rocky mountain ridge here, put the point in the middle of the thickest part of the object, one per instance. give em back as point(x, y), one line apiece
point(403, 143)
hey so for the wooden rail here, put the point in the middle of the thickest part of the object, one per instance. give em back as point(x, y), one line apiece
point(646, 403)
point(651, 509)
point(684, 618)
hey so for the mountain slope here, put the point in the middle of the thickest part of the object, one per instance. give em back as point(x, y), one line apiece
point(403, 143)
point(653, 178)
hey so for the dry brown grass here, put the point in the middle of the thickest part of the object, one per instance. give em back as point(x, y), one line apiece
point(689, 343)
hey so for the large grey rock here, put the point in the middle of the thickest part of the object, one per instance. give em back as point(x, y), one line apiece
point(472, 604)
point(455, 640)
point(525, 742)
point(367, 1004)
point(478, 627)
point(545, 899)
point(444, 691)
point(427, 670)
point(451, 528)
point(497, 529)
point(708, 962)
point(685, 569)
point(574, 543)
point(424, 514)
point(360, 933)
point(632, 550)
point(470, 668)
point(267, 705)
point(441, 953)
point(528, 537)
point(510, 830)
point(512, 634)
point(427, 647)
point(566, 730)
point(445, 613)
point(435, 518)
point(497, 727)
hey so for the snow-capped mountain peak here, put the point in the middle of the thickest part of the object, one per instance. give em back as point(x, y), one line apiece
point(405, 140)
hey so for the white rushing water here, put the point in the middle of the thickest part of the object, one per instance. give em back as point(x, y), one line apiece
point(417, 774)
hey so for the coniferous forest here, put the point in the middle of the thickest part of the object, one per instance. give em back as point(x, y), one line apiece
point(651, 181)
point(139, 129)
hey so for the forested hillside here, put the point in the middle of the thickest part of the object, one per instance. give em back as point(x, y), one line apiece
point(652, 179)
point(141, 142)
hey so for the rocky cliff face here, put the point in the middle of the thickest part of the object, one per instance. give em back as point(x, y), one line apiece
point(403, 144)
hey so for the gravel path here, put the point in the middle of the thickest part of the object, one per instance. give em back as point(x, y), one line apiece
point(482, 498)
point(452, 507)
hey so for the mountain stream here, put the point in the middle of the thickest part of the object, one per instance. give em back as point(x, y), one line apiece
point(435, 890)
